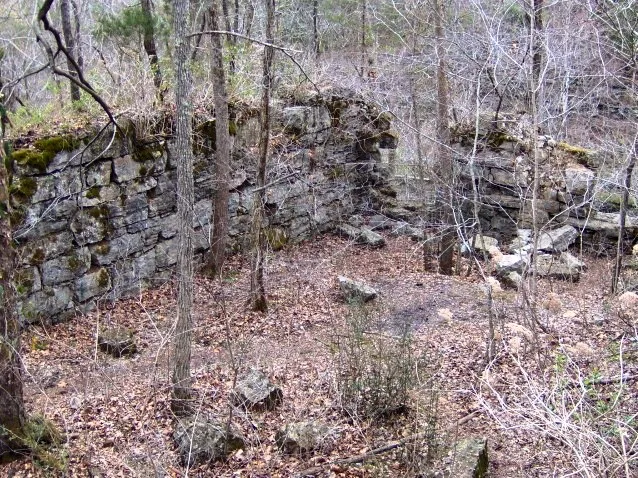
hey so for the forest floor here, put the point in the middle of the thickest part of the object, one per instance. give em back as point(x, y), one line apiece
point(115, 413)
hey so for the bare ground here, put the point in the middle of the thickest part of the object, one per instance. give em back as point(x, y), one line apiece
point(115, 412)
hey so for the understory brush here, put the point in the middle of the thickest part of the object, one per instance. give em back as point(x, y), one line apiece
point(570, 411)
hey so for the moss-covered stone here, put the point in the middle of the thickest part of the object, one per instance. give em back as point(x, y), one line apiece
point(142, 154)
point(99, 212)
point(75, 263)
point(277, 237)
point(103, 278)
point(43, 151)
point(23, 189)
point(93, 192)
point(103, 248)
point(37, 257)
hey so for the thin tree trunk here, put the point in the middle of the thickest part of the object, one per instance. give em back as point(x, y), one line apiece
point(315, 31)
point(231, 39)
point(181, 379)
point(257, 289)
point(537, 44)
point(364, 40)
point(12, 416)
point(620, 246)
point(222, 156)
point(151, 48)
point(444, 195)
point(69, 40)
point(78, 44)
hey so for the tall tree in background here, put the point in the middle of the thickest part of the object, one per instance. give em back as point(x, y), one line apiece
point(181, 378)
point(70, 43)
point(257, 289)
point(12, 416)
point(222, 155)
point(149, 45)
point(444, 194)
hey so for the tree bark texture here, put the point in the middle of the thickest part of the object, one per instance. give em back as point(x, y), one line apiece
point(222, 155)
point(445, 173)
point(181, 379)
point(537, 44)
point(12, 416)
point(150, 47)
point(257, 289)
point(69, 41)
point(620, 245)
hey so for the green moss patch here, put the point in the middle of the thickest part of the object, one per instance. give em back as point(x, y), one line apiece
point(93, 192)
point(277, 238)
point(43, 151)
point(23, 189)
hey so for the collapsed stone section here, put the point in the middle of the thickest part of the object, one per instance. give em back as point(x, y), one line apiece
point(96, 217)
point(577, 187)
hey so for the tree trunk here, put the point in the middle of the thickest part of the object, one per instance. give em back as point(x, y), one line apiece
point(150, 48)
point(222, 156)
point(12, 415)
point(444, 193)
point(78, 44)
point(315, 31)
point(537, 44)
point(257, 289)
point(181, 379)
point(620, 246)
point(69, 40)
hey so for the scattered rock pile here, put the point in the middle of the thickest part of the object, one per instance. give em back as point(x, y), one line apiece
point(552, 259)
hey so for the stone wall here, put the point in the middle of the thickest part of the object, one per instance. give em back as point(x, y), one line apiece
point(96, 218)
point(577, 186)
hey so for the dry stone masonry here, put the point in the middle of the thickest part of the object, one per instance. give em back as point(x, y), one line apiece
point(95, 216)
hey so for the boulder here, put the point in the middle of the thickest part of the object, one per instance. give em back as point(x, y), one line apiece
point(627, 307)
point(467, 459)
point(116, 341)
point(511, 263)
point(480, 243)
point(361, 236)
point(255, 390)
point(572, 261)
point(512, 279)
point(578, 179)
point(554, 268)
point(355, 290)
point(201, 440)
point(302, 437)
point(557, 240)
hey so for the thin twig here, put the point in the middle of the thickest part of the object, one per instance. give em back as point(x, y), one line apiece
point(382, 449)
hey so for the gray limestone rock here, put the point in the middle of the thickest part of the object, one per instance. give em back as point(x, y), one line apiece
point(579, 179)
point(356, 291)
point(467, 459)
point(255, 390)
point(45, 304)
point(557, 240)
point(361, 236)
point(65, 268)
point(554, 268)
point(92, 284)
point(201, 440)
point(90, 225)
point(511, 263)
point(98, 173)
point(303, 437)
point(126, 168)
point(117, 341)
point(482, 244)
